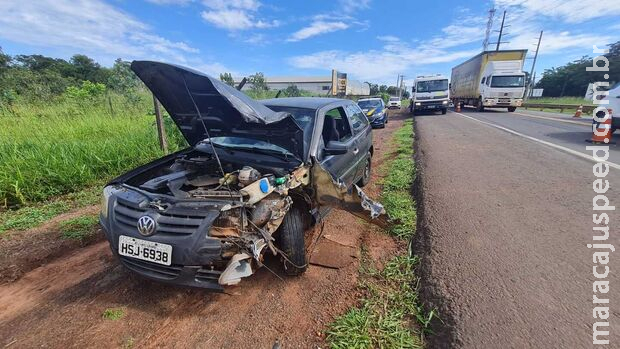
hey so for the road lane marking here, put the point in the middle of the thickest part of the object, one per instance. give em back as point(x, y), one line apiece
point(553, 145)
point(554, 119)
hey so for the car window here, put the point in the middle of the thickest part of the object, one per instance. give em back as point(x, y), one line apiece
point(394, 99)
point(370, 103)
point(336, 126)
point(484, 79)
point(358, 120)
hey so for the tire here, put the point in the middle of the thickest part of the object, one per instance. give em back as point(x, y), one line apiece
point(511, 109)
point(444, 111)
point(366, 175)
point(480, 106)
point(291, 241)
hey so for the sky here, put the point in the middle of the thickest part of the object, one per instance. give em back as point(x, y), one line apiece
point(371, 40)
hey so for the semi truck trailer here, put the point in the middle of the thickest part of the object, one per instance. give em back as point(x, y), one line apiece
point(490, 79)
point(430, 93)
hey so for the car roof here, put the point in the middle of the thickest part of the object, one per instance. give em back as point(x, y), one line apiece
point(302, 102)
point(370, 99)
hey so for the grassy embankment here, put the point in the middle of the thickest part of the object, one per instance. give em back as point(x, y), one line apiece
point(55, 155)
point(389, 315)
point(560, 100)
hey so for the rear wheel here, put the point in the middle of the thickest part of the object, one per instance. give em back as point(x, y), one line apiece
point(480, 106)
point(291, 241)
point(511, 109)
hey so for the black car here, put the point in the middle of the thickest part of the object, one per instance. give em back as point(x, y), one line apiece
point(375, 110)
point(256, 176)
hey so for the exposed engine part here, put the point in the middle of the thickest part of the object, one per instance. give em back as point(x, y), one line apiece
point(248, 175)
point(257, 190)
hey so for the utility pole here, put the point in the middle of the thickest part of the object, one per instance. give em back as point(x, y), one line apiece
point(501, 30)
point(531, 84)
point(161, 131)
point(485, 43)
point(400, 87)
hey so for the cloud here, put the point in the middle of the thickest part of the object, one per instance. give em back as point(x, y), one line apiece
point(318, 27)
point(170, 2)
point(93, 27)
point(568, 11)
point(353, 5)
point(388, 38)
point(235, 15)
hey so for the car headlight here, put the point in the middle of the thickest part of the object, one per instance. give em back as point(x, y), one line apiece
point(105, 198)
point(445, 102)
point(418, 103)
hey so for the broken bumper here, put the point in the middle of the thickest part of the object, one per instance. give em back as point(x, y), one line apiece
point(196, 260)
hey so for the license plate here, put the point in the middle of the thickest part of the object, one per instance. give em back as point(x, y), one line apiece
point(431, 106)
point(145, 250)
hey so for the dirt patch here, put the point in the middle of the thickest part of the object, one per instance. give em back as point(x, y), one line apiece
point(61, 303)
point(23, 251)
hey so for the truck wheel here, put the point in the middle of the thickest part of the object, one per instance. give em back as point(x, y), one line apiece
point(444, 111)
point(480, 106)
point(291, 240)
point(366, 175)
point(511, 109)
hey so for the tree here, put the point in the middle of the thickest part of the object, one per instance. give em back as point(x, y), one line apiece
point(122, 78)
point(374, 88)
point(383, 89)
point(258, 82)
point(85, 68)
point(406, 94)
point(392, 91)
point(292, 91)
point(227, 78)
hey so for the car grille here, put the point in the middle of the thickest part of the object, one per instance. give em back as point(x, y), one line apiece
point(127, 214)
point(152, 269)
point(207, 275)
point(504, 100)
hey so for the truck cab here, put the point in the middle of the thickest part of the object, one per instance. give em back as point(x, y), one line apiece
point(430, 93)
point(502, 85)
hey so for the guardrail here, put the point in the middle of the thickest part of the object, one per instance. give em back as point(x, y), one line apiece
point(573, 107)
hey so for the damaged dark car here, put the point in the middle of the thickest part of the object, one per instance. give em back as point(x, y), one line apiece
point(256, 176)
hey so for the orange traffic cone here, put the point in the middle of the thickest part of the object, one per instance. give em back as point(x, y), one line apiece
point(457, 107)
point(601, 132)
point(578, 112)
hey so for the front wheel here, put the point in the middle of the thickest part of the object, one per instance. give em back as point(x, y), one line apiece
point(480, 106)
point(444, 111)
point(511, 109)
point(291, 241)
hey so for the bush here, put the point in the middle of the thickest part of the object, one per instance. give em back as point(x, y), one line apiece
point(86, 91)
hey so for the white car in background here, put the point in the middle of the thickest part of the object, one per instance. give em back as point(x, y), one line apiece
point(394, 102)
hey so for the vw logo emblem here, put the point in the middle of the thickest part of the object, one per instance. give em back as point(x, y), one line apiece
point(146, 226)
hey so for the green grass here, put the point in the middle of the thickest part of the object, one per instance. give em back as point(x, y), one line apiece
point(560, 100)
point(113, 314)
point(79, 228)
point(29, 217)
point(62, 146)
point(389, 315)
point(38, 213)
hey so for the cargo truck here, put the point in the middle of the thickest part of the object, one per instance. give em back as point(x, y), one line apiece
point(430, 93)
point(490, 79)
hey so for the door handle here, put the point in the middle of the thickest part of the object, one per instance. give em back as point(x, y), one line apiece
point(356, 150)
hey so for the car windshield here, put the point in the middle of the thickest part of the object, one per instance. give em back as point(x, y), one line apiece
point(243, 142)
point(432, 85)
point(369, 103)
point(394, 99)
point(508, 81)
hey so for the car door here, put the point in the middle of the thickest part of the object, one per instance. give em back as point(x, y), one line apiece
point(337, 132)
point(362, 134)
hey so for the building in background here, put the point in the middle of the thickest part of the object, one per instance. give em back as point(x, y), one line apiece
point(335, 85)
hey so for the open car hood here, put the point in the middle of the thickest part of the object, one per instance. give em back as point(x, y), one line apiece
point(223, 110)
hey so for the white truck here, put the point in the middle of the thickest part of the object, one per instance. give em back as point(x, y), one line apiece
point(490, 79)
point(430, 93)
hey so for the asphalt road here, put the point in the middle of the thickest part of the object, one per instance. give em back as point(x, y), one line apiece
point(505, 217)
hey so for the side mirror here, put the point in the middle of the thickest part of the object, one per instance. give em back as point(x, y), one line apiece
point(335, 148)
